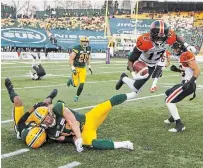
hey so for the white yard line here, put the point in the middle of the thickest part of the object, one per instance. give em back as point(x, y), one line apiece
point(70, 165)
point(18, 152)
point(88, 107)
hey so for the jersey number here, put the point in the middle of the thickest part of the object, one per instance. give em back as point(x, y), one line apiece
point(159, 54)
point(83, 57)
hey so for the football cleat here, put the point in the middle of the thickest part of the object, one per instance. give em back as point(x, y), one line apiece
point(120, 81)
point(128, 145)
point(69, 82)
point(53, 94)
point(76, 98)
point(169, 120)
point(152, 90)
point(8, 84)
point(179, 128)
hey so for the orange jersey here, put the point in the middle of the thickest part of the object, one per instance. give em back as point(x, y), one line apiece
point(186, 57)
point(144, 43)
point(172, 37)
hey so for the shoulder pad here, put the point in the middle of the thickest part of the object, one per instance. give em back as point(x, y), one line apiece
point(144, 43)
point(172, 37)
point(76, 49)
point(186, 57)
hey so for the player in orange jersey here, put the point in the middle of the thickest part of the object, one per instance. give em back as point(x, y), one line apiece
point(149, 49)
point(190, 72)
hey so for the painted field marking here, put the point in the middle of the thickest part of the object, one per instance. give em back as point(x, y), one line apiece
point(70, 165)
point(18, 152)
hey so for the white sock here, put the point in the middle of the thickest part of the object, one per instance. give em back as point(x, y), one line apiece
point(173, 110)
point(130, 83)
point(131, 95)
point(123, 144)
point(154, 82)
point(119, 145)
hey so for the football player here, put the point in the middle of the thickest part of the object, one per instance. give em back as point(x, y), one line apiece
point(161, 65)
point(38, 68)
point(190, 72)
point(149, 49)
point(67, 125)
point(24, 124)
point(79, 58)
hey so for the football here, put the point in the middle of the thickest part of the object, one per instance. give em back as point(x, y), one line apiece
point(140, 66)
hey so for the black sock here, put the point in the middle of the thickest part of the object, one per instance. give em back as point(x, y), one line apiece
point(12, 94)
point(178, 121)
point(80, 88)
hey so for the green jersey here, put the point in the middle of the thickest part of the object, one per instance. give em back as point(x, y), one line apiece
point(82, 55)
point(62, 127)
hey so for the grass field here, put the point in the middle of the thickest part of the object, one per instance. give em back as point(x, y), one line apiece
point(140, 120)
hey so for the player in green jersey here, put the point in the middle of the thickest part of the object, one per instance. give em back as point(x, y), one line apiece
point(79, 58)
point(66, 125)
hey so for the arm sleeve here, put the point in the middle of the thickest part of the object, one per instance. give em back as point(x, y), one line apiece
point(134, 56)
point(21, 124)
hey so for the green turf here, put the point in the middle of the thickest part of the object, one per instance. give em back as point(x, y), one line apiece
point(139, 121)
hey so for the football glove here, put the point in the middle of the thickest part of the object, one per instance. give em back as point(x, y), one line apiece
point(187, 84)
point(138, 76)
point(78, 144)
point(175, 69)
point(39, 105)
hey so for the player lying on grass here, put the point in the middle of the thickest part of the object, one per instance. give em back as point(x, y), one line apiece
point(67, 125)
point(39, 71)
point(24, 123)
point(190, 72)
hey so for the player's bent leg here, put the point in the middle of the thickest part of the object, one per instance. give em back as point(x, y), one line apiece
point(88, 135)
point(51, 96)
point(120, 81)
point(175, 94)
point(96, 116)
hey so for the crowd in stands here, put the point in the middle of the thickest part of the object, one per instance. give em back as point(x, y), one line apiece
point(64, 23)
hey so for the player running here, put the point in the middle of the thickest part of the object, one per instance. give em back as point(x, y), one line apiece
point(149, 49)
point(24, 123)
point(190, 72)
point(67, 125)
point(78, 60)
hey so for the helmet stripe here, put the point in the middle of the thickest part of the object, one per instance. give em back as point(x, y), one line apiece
point(36, 137)
point(161, 26)
point(38, 115)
